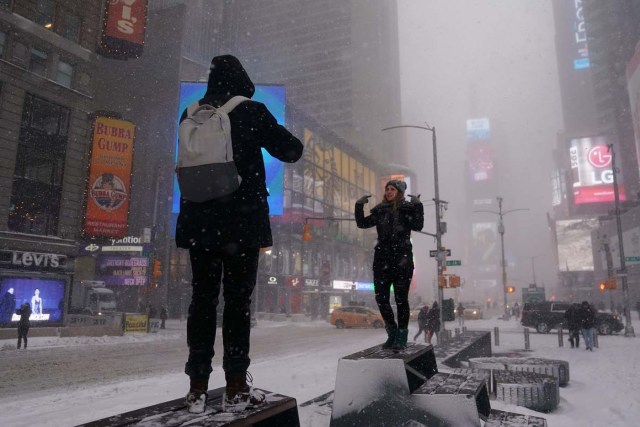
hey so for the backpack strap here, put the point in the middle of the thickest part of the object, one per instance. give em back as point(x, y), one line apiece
point(232, 103)
point(226, 108)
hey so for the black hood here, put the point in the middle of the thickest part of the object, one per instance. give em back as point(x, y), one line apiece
point(228, 78)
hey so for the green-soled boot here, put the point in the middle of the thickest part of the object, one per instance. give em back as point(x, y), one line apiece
point(392, 331)
point(401, 339)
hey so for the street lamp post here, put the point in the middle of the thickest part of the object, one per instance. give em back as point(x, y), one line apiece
point(501, 230)
point(628, 328)
point(438, 207)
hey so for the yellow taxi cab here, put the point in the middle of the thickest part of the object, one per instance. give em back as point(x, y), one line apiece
point(356, 317)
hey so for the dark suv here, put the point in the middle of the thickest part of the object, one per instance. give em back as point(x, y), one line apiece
point(548, 315)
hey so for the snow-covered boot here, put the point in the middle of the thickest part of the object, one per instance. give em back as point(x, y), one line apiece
point(238, 395)
point(196, 399)
point(401, 339)
point(392, 330)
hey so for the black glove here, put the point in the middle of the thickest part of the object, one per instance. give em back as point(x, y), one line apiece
point(415, 199)
point(363, 200)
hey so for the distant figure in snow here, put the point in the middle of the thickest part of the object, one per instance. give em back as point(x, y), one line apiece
point(23, 324)
point(422, 322)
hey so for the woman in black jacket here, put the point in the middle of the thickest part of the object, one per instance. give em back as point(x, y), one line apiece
point(394, 218)
point(23, 324)
point(224, 237)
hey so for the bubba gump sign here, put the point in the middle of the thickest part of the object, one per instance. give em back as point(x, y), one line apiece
point(109, 184)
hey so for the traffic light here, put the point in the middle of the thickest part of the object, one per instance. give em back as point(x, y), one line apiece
point(454, 281)
point(306, 232)
point(442, 281)
point(511, 289)
point(157, 268)
point(609, 283)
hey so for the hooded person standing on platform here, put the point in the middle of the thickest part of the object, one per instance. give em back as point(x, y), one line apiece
point(224, 237)
point(394, 219)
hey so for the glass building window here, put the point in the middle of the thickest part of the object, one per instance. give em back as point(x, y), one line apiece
point(3, 42)
point(45, 12)
point(5, 4)
point(38, 62)
point(37, 179)
point(64, 74)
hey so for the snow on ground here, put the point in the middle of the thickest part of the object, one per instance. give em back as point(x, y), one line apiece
point(604, 386)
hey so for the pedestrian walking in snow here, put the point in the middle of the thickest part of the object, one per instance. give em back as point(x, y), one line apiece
point(433, 322)
point(460, 314)
point(224, 236)
point(394, 219)
point(422, 322)
point(587, 317)
point(23, 324)
point(164, 314)
point(572, 317)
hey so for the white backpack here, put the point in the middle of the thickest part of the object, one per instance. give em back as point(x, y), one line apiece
point(206, 169)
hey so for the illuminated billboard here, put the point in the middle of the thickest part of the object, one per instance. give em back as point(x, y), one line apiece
point(592, 171)
point(123, 29)
point(122, 270)
point(478, 129)
point(480, 161)
point(633, 87)
point(485, 248)
point(109, 186)
point(274, 97)
point(575, 251)
point(45, 296)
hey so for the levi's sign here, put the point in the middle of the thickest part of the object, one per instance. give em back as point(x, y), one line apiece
point(32, 260)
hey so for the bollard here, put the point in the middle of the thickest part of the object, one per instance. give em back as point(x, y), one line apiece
point(496, 335)
point(464, 329)
point(595, 337)
point(457, 332)
point(560, 337)
point(527, 345)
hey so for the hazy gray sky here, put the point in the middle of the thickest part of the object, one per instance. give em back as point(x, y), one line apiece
point(465, 59)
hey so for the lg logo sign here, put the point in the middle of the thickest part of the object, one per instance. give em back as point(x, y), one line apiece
point(599, 156)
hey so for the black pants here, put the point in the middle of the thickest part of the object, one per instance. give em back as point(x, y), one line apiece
point(398, 275)
point(574, 337)
point(22, 334)
point(237, 273)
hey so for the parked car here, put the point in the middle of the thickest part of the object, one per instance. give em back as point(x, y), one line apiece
point(356, 317)
point(548, 315)
point(473, 311)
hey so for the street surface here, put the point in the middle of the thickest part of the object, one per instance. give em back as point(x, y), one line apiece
point(39, 370)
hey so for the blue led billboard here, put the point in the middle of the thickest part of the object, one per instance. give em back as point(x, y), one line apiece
point(274, 97)
point(44, 296)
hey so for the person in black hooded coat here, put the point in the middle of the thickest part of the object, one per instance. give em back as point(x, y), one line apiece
point(224, 237)
point(394, 218)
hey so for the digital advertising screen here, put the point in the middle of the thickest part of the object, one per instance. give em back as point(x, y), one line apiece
point(274, 97)
point(44, 296)
point(480, 161)
point(592, 171)
point(574, 244)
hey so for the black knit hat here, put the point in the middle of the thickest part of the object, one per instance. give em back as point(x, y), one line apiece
point(401, 186)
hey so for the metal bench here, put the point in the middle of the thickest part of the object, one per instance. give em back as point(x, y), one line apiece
point(278, 411)
point(453, 399)
point(374, 386)
point(511, 419)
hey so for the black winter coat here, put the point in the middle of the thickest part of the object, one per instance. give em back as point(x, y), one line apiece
point(394, 227)
point(24, 312)
point(240, 220)
point(587, 317)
